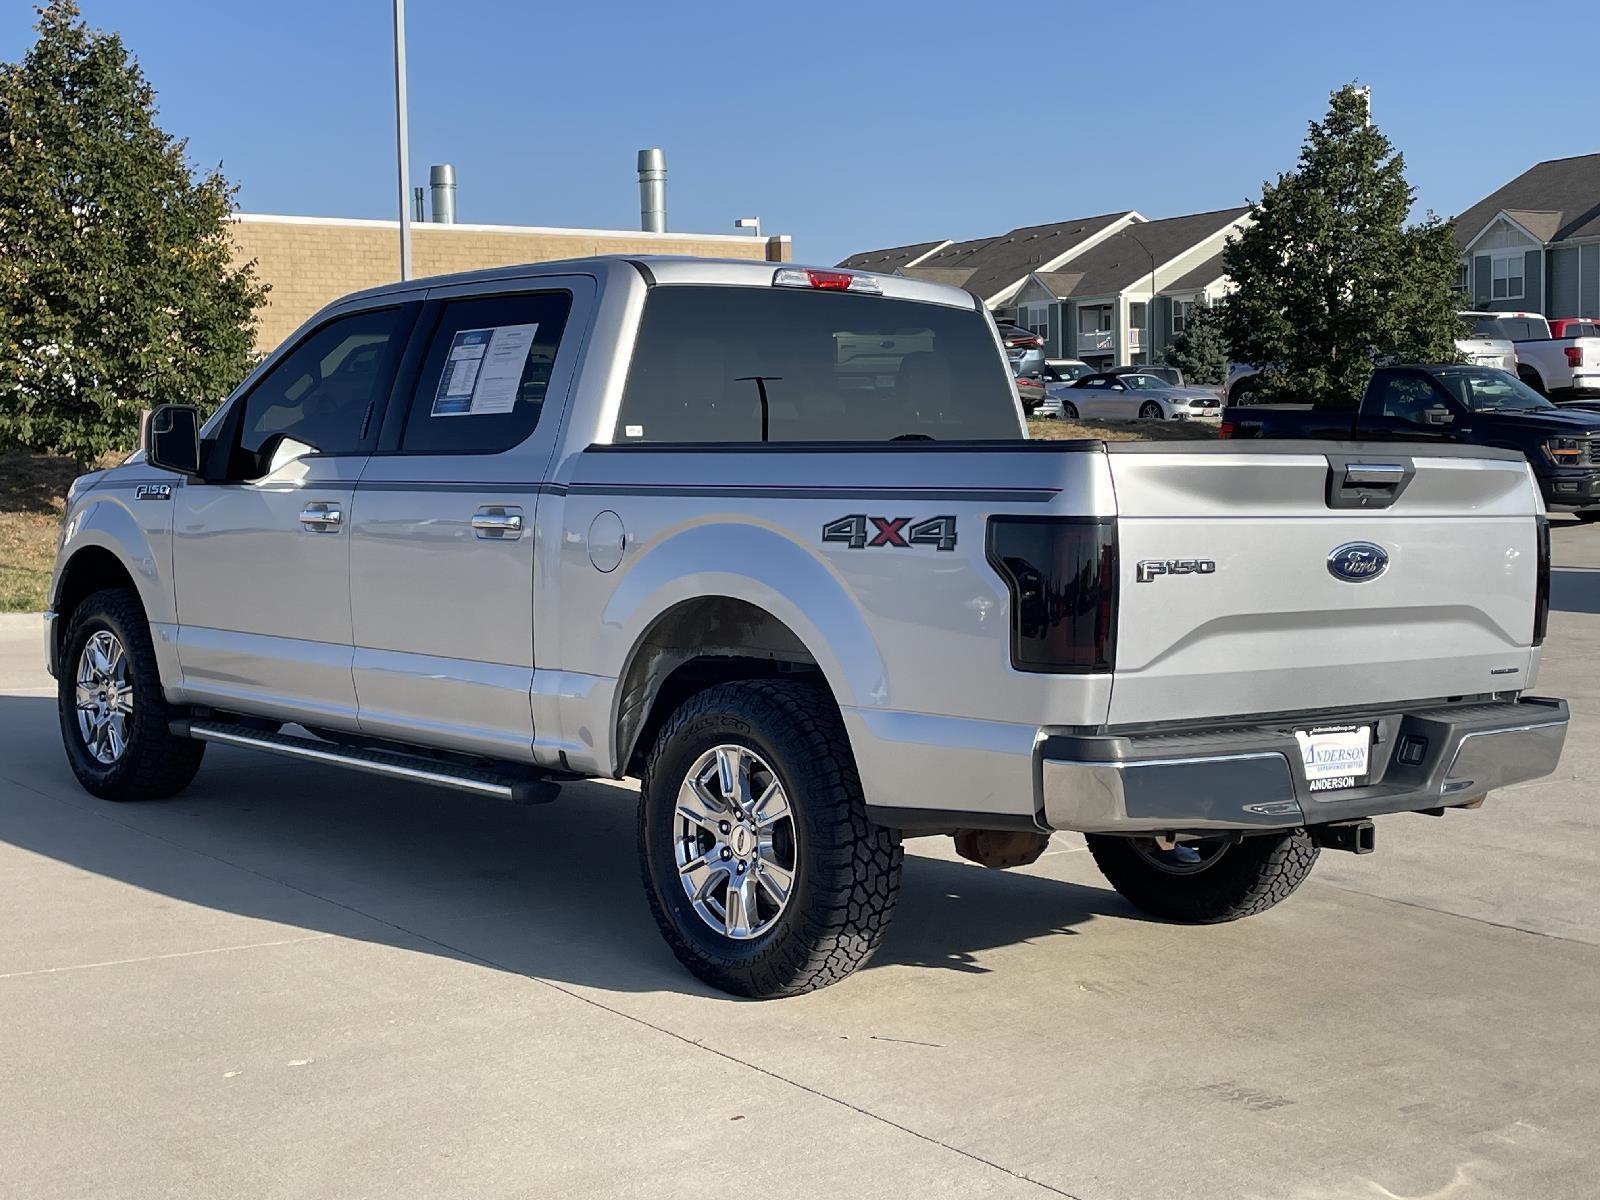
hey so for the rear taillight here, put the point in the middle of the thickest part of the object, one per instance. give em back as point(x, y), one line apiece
point(826, 281)
point(1225, 430)
point(1541, 588)
point(1061, 573)
point(1030, 341)
point(1574, 356)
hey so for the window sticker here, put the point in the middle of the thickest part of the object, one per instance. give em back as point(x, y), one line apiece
point(483, 371)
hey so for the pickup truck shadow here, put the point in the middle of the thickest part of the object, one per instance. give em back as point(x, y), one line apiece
point(1575, 589)
point(551, 892)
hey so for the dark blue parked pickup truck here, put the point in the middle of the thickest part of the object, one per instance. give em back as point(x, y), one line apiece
point(1480, 406)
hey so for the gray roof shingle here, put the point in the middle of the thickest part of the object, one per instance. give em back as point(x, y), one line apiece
point(1554, 200)
point(889, 260)
point(1124, 258)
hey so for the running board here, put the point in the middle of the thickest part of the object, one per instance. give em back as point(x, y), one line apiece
point(483, 781)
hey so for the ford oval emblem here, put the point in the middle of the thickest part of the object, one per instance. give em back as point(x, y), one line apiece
point(1357, 562)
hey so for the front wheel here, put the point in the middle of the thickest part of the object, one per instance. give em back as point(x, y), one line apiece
point(762, 870)
point(113, 715)
point(1069, 410)
point(1205, 882)
point(1150, 411)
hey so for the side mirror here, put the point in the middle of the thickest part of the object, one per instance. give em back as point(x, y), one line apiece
point(174, 439)
point(1438, 415)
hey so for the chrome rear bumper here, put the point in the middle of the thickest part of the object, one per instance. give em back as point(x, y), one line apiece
point(1250, 778)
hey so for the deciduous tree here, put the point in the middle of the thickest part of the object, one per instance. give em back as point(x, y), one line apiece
point(117, 286)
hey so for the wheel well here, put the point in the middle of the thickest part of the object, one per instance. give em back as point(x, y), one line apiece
point(87, 572)
point(691, 647)
point(1528, 375)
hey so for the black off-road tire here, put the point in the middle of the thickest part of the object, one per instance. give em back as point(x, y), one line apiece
point(153, 764)
point(847, 868)
point(1247, 878)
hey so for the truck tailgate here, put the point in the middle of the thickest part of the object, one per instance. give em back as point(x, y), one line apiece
point(1271, 628)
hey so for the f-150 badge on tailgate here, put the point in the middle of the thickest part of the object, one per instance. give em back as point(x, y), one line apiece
point(1153, 568)
point(859, 531)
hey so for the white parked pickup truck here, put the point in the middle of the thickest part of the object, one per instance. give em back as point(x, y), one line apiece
point(668, 518)
point(1557, 366)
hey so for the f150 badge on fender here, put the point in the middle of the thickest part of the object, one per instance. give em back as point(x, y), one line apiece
point(859, 531)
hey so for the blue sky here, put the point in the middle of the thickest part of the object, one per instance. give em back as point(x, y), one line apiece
point(849, 126)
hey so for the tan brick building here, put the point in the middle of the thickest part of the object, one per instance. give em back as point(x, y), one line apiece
point(309, 261)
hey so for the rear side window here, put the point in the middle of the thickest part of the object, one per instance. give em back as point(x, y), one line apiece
point(738, 364)
point(488, 367)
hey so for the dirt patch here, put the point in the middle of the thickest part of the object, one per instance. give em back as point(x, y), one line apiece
point(1123, 431)
point(33, 494)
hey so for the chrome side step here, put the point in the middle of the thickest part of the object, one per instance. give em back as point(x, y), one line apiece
point(483, 781)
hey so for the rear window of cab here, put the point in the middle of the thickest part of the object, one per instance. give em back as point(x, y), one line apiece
point(742, 364)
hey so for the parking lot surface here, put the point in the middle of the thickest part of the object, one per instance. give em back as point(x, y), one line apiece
point(295, 982)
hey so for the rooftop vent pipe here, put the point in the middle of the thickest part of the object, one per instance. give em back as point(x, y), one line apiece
point(442, 183)
point(653, 191)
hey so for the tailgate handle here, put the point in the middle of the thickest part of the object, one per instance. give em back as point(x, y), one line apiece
point(1359, 482)
point(1373, 474)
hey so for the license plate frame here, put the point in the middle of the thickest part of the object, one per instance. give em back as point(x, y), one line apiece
point(1335, 758)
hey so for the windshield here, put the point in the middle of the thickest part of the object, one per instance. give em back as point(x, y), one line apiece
point(1144, 383)
point(1509, 329)
point(773, 364)
point(1483, 389)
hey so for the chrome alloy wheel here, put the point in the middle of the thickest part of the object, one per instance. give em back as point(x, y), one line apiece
point(104, 696)
point(734, 837)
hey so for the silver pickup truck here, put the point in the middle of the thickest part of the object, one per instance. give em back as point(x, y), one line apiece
point(774, 540)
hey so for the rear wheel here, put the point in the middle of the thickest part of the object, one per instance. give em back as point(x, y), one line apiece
point(763, 872)
point(1531, 377)
point(1150, 411)
point(112, 713)
point(1205, 882)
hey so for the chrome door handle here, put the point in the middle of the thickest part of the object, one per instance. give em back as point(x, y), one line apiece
point(321, 516)
point(497, 523)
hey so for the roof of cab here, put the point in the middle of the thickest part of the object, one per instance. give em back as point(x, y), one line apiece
point(669, 269)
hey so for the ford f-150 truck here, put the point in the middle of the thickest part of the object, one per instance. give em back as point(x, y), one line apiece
point(1475, 406)
point(1562, 362)
point(662, 517)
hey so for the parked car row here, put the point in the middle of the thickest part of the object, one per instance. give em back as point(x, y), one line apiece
point(1127, 394)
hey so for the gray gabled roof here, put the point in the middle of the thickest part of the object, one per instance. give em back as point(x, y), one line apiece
point(1123, 258)
point(1007, 260)
point(890, 260)
point(1554, 200)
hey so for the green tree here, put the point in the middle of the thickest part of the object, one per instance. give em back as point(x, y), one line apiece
point(1331, 277)
point(1201, 350)
point(117, 289)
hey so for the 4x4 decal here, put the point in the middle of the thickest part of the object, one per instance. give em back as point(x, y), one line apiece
point(861, 532)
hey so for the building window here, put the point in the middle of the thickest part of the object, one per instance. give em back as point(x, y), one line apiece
point(1035, 318)
point(1180, 316)
point(1463, 281)
point(1505, 276)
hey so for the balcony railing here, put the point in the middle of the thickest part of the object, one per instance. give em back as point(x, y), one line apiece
point(1096, 341)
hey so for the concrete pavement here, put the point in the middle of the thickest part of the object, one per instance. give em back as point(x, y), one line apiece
point(292, 982)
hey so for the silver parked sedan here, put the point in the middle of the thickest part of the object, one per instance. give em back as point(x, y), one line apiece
point(1138, 397)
